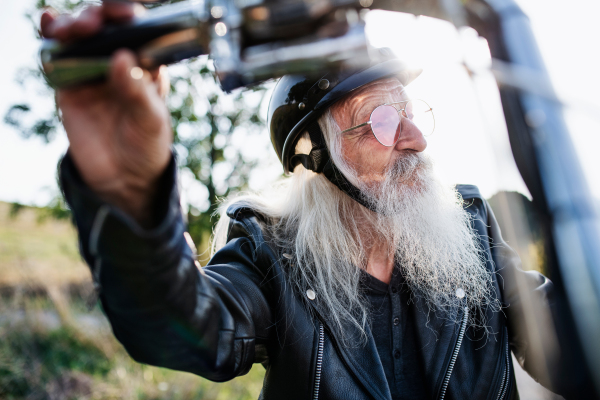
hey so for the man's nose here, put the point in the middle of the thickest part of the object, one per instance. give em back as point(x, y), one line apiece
point(411, 138)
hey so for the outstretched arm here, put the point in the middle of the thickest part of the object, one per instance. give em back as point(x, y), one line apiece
point(119, 179)
point(162, 307)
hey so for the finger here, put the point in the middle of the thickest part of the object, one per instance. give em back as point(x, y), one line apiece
point(59, 27)
point(155, 73)
point(89, 22)
point(160, 77)
point(46, 20)
point(119, 11)
point(163, 81)
point(65, 27)
point(128, 79)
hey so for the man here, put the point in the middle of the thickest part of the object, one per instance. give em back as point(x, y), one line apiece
point(361, 276)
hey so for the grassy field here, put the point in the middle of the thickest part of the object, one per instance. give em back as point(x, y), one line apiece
point(52, 346)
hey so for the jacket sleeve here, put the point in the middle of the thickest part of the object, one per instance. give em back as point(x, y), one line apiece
point(527, 296)
point(162, 307)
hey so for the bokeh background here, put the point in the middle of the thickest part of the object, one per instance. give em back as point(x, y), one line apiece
point(55, 342)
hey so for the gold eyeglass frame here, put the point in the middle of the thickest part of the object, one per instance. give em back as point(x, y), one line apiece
point(369, 122)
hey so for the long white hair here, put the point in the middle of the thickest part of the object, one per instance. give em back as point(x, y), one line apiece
point(422, 221)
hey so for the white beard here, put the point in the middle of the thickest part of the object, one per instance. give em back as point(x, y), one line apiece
point(435, 245)
point(423, 221)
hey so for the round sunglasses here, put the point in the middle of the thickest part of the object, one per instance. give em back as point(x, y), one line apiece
point(386, 120)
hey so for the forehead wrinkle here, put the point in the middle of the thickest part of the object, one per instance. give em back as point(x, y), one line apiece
point(362, 104)
point(357, 107)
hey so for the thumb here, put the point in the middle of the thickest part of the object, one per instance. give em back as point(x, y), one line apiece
point(128, 79)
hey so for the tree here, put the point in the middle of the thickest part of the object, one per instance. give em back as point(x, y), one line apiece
point(207, 124)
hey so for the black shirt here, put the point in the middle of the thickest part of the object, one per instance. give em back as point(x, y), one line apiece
point(394, 337)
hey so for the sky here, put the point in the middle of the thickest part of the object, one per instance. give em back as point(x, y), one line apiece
point(469, 144)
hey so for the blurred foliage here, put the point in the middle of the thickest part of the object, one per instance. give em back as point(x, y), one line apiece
point(204, 122)
point(15, 209)
point(53, 346)
point(56, 209)
point(49, 353)
point(38, 361)
point(42, 128)
point(36, 249)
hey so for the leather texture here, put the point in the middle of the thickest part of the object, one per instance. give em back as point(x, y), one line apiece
point(218, 321)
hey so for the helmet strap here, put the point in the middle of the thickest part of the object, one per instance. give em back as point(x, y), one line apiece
point(319, 160)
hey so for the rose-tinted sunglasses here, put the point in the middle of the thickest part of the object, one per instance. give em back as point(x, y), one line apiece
point(386, 121)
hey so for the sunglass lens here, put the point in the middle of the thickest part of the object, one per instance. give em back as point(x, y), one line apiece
point(384, 123)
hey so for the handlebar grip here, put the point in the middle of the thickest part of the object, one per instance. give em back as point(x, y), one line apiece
point(164, 35)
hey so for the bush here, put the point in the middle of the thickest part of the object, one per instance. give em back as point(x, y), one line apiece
point(31, 359)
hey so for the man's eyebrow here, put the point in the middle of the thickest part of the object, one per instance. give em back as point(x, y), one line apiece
point(357, 110)
point(357, 107)
point(360, 110)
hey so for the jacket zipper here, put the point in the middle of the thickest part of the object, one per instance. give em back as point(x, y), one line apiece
point(505, 376)
point(461, 334)
point(319, 362)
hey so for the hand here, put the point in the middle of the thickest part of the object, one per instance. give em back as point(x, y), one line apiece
point(119, 131)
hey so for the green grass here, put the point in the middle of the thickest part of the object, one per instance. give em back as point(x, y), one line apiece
point(30, 358)
point(49, 351)
point(43, 363)
point(38, 252)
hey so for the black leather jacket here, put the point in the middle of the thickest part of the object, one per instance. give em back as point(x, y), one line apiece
point(219, 320)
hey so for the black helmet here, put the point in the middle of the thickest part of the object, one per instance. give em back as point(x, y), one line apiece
point(298, 101)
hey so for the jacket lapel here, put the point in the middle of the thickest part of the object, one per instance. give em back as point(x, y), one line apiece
point(435, 340)
point(362, 360)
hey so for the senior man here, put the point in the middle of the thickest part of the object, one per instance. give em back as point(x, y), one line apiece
point(360, 276)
